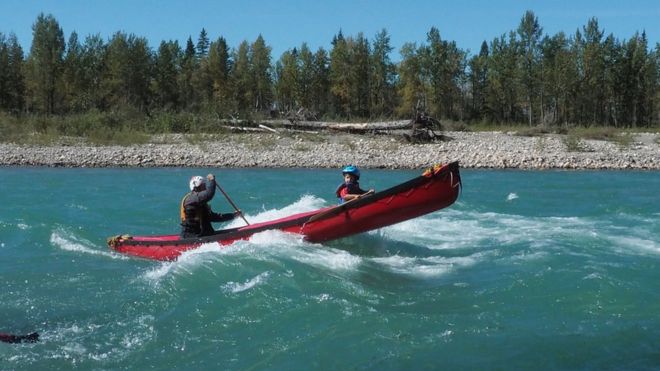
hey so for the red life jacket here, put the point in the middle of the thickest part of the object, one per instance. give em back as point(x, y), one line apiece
point(348, 188)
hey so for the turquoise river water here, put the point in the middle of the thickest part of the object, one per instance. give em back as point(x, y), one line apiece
point(527, 270)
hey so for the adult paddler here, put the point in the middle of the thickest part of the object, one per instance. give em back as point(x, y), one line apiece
point(196, 213)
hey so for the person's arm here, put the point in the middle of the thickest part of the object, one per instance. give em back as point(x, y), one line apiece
point(207, 194)
point(352, 196)
point(220, 217)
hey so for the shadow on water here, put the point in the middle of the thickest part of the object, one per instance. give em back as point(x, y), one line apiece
point(374, 245)
point(400, 265)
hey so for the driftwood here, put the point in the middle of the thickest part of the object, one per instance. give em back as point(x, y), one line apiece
point(423, 129)
point(267, 128)
point(245, 129)
point(350, 127)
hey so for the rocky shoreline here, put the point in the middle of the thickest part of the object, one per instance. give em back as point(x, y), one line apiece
point(272, 150)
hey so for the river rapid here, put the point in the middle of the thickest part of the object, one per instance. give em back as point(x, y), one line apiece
point(528, 269)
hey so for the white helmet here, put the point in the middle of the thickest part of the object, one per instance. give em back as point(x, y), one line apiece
point(195, 182)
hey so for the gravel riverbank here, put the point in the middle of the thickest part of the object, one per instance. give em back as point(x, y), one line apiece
point(473, 150)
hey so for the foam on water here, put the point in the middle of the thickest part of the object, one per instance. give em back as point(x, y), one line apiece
point(187, 262)
point(304, 204)
point(430, 267)
point(115, 340)
point(631, 244)
point(68, 241)
point(236, 287)
point(268, 245)
point(452, 230)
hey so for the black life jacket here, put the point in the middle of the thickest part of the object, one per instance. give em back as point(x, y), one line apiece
point(190, 215)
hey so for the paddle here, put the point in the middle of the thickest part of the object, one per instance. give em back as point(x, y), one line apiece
point(8, 338)
point(232, 203)
point(337, 209)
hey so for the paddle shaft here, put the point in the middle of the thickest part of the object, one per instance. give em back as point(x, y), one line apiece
point(232, 203)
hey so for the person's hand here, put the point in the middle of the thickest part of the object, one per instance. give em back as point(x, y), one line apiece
point(210, 177)
point(238, 213)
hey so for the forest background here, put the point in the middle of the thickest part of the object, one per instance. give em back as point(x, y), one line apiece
point(124, 87)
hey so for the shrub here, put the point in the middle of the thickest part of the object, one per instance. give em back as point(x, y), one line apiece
point(573, 143)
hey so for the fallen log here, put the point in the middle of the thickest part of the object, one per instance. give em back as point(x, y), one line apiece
point(351, 127)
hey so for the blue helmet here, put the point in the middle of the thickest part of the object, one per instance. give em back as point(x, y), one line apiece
point(351, 169)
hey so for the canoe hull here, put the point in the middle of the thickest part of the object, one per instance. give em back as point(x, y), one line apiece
point(438, 188)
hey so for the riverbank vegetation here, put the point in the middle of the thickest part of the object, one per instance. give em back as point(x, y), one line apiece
point(121, 90)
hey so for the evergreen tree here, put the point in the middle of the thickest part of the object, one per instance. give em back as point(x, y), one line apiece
point(141, 61)
point(93, 70)
point(12, 83)
point(305, 79)
point(478, 81)
point(189, 65)
point(556, 61)
point(503, 84)
point(611, 93)
point(260, 63)
point(340, 77)
point(202, 81)
point(242, 77)
point(129, 72)
point(360, 75)
point(73, 76)
point(164, 87)
point(411, 88)
point(530, 33)
point(383, 71)
point(320, 88)
point(637, 71)
point(593, 74)
point(202, 44)
point(287, 81)
point(219, 70)
point(443, 65)
point(4, 73)
point(44, 64)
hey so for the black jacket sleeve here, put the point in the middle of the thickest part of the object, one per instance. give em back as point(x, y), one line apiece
point(203, 196)
point(219, 217)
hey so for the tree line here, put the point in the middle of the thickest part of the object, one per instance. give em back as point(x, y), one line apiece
point(522, 77)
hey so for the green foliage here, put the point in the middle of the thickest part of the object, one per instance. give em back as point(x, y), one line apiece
point(520, 78)
point(287, 73)
point(45, 65)
point(533, 131)
point(12, 81)
point(260, 69)
point(93, 127)
point(411, 89)
point(622, 139)
point(443, 70)
point(573, 143)
point(123, 137)
point(382, 78)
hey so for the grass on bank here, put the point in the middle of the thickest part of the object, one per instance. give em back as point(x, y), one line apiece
point(623, 137)
point(130, 127)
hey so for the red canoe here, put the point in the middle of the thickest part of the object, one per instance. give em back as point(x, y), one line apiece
point(436, 188)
